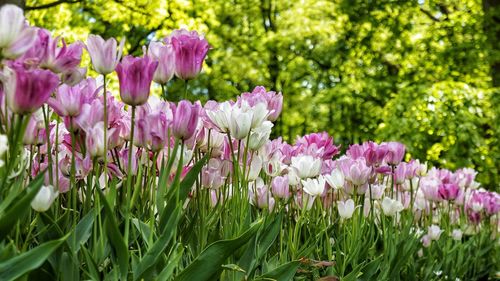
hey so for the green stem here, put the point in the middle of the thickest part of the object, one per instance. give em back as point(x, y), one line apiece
point(129, 176)
point(47, 136)
point(186, 89)
point(105, 132)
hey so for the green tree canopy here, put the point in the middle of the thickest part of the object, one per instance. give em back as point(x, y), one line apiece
point(420, 72)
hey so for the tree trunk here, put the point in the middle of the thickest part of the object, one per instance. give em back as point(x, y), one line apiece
point(491, 24)
point(20, 3)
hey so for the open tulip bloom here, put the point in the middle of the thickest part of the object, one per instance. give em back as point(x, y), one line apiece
point(119, 184)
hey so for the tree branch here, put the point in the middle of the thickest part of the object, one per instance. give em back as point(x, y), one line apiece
point(429, 14)
point(53, 4)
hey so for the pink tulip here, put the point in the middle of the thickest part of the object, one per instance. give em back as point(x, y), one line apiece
point(165, 56)
point(27, 90)
point(135, 76)
point(190, 51)
point(185, 119)
point(15, 36)
point(68, 101)
point(59, 59)
point(280, 187)
point(104, 54)
point(448, 191)
point(396, 152)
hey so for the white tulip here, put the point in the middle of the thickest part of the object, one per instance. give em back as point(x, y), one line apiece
point(456, 234)
point(391, 207)
point(335, 179)
point(346, 208)
point(434, 232)
point(240, 123)
point(260, 135)
point(44, 198)
point(314, 187)
point(306, 166)
point(255, 168)
point(4, 144)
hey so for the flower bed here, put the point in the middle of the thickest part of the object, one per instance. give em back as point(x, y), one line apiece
point(142, 188)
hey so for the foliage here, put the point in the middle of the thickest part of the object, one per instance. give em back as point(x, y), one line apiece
point(340, 64)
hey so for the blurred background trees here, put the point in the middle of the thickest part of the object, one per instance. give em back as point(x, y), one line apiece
point(425, 73)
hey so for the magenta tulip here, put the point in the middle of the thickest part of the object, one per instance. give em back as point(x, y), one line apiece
point(185, 119)
point(190, 51)
point(135, 75)
point(27, 90)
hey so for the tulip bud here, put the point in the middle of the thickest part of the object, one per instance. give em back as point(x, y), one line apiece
point(104, 54)
point(135, 76)
point(190, 51)
point(391, 207)
point(185, 119)
point(28, 90)
point(280, 187)
point(346, 208)
point(44, 198)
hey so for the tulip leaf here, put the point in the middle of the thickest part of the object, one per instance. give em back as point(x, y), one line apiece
point(283, 272)
point(173, 261)
point(260, 245)
point(115, 236)
point(184, 189)
point(82, 232)
point(18, 266)
point(154, 253)
point(210, 261)
point(21, 207)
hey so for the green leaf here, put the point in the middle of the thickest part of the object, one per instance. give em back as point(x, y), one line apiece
point(91, 264)
point(173, 261)
point(82, 232)
point(154, 253)
point(209, 262)
point(20, 208)
point(283, 272)
point(115, 237)
point(260, 245)
point(184, 189)
point(144, 230)
point(25, 262)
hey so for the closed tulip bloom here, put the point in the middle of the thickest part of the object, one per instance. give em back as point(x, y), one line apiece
point(346, 208)
point(44, 198)
point(280, 187)
point(15, 36)
point(456, 234)
point(434, 232)
point(190, 52)
point(240, 123)
point(391, 207)
point(395, 152)
point(135, 75)
point(448, 191)
point(28, 90)
point(185, 119)
point(335, 179)
point(165, 56)
point(95, 139)
point(260, 135)
point(105, 55)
